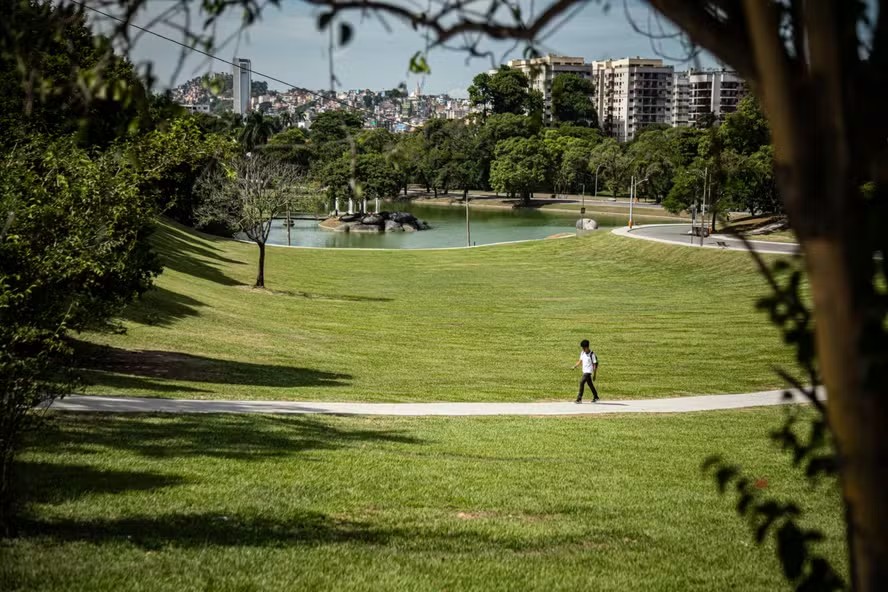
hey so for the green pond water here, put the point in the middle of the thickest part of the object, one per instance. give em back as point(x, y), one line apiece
point(448, 228)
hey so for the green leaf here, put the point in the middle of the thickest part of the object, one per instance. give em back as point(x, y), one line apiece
point(419, 65)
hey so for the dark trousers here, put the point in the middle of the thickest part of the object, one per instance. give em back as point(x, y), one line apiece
point(586, 379)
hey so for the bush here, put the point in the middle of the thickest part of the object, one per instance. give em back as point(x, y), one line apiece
point(73, 251)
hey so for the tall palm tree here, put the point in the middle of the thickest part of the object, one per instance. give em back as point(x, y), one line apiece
point(256, 131)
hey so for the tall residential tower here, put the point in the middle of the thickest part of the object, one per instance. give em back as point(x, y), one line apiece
point(631, 94)
point(243, 85)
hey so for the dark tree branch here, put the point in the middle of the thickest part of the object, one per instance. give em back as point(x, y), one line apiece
point(727, 39)
point(524, 31)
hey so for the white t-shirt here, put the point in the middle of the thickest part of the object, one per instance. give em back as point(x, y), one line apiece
point(588, 360)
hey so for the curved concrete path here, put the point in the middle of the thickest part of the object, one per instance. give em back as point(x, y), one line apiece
point(671, 405)
point(679, 234)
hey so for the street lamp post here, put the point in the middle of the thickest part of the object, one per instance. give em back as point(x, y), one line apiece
point(468, 230)
point(703, 210)
point(633, 192)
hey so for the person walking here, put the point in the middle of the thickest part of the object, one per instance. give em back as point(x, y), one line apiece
point(589, 361)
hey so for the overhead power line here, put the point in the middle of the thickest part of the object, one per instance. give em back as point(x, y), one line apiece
point(365, 112)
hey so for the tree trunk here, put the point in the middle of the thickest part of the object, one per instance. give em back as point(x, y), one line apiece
point(260, 278)
point(465, 195)
point(853, 369)
point(435, 189)
point(858, 412)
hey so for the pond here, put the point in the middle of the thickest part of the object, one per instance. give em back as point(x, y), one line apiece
point(448, 228)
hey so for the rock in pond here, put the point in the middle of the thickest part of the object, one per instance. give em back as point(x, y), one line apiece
point(365, 228)
point(392, 226)
point(350, 218)
point(402, 217)
point(587, 224)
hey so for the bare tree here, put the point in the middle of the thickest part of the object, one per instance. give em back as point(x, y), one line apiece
point(246, 194)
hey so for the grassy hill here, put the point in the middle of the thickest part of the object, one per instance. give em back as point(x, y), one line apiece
point(487, 324)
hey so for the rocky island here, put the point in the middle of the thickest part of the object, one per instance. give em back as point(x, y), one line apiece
point(378, 222)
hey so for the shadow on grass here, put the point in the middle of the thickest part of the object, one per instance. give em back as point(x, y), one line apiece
point(227, 436)
point(183, 252)
point(136, 383)
point(42, 482)
point(161, 307)
point(200, 530)
point(112, 361)
point(155, 532)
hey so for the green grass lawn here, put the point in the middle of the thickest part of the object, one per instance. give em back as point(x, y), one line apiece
point(486, 324)
point(228, 502)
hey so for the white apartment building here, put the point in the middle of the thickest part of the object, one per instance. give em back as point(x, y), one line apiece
point(681, 100)
point(698, 92)
point(542, 72)
point(713, 91)
point(632, 93)
point(241, 69)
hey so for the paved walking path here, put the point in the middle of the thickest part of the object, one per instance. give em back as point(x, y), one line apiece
point(678, 234)
point(671, 405)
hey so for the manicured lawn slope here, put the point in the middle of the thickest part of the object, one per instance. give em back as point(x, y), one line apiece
point(308, 503)
point(487, 324)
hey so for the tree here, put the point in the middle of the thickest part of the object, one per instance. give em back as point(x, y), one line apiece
point(614, 164)
point(494, 130)
point(506, 91)
point(572, 100)
point(337, 125)
point(750, 183)
point(746, 130)
point(521, 165)
point(172, 158)
point(569, 159)
point(246, 193)
point(653, 161)
point(45, 52)
point(258, 128)
point(705, 120)
point(687, 188)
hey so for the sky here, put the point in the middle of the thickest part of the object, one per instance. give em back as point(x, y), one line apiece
point(286, 44)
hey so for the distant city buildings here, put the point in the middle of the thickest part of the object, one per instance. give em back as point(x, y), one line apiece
point(542, 72)
point(241, 71)
point(630, 94)
point(192, 108)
